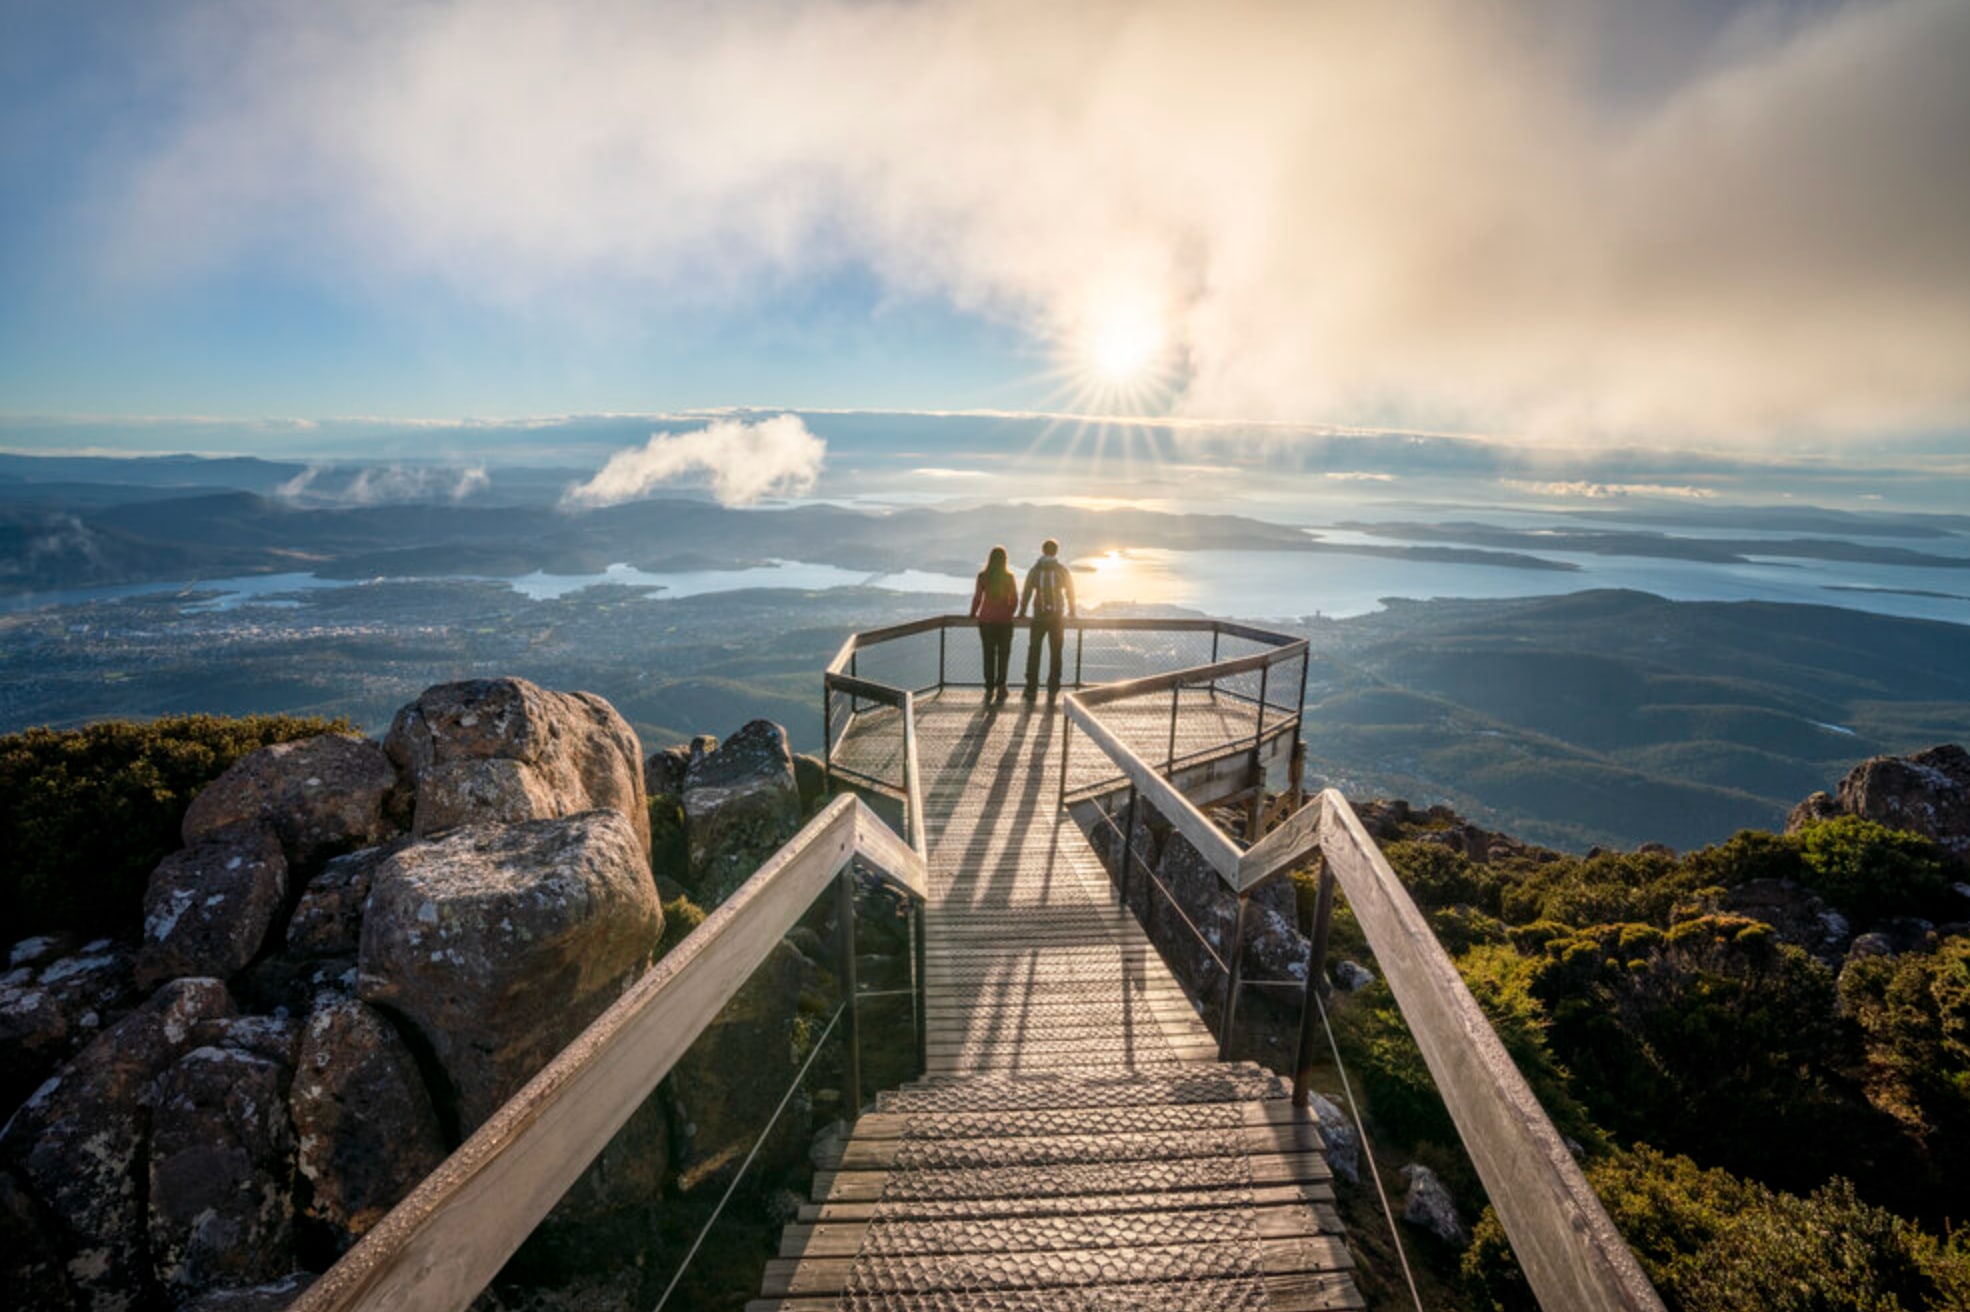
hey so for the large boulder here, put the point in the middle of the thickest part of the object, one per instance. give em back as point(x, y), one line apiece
point(328, 920)
point(79, 1142)
point(1927, 793)
point(500, 943)
point(319, 795)
point(363, 1120)
point(506, 750)
point(221, 1171)
point(51, 1008)
point(209, 906)
point(741, 802)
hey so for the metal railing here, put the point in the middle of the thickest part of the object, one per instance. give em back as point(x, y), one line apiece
point(1571, 1254)
point(447, 1240)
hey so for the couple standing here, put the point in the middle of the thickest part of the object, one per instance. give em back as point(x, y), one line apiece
point(997, 602)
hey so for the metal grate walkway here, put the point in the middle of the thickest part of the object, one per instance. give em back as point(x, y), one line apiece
point(1075, 1143)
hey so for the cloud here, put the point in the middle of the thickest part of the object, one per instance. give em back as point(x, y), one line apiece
point(742, 462)
point(1433, 214)
point(1358, 476)
point(380, 485)
point(1606, 491)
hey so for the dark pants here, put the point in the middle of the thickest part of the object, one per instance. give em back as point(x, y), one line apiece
point(1052, 629)
point(996, 639)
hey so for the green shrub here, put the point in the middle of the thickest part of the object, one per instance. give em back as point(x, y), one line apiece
point(1712, 1242)
point(1869, 870)
point(1438, 877)
point(681, 916)
point(1914, 1015)
point(86, 814)
point(670, 854)
point(1712, 1037)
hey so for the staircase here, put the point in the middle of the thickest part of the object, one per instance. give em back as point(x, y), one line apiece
point(1075, 1144)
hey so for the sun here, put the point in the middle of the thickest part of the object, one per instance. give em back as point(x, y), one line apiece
point(1124, 347)
point(1122, 344)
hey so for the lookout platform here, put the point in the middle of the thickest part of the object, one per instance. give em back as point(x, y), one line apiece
point(1074, 1142)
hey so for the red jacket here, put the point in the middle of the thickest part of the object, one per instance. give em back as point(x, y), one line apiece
point(988, 608)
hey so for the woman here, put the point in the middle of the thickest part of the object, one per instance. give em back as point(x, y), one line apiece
point(993, 602)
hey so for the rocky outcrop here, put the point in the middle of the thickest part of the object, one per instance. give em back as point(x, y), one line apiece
point(221, 1167)
point(80, 1141)
point(506, 750)
point(52, 1005)
point(741, 802)
point(1396, 821)
point(1927, 793)
point(363, 1121)
point(500, 943)
point(1796, 914)
point(209, 906)
point(328, 920)
point(320, 796)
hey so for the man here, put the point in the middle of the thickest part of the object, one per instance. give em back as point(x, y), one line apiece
point(1049, 598)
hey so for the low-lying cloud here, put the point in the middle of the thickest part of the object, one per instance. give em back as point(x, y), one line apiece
point(1573, 217)
point(383, 485)
point(740, 462)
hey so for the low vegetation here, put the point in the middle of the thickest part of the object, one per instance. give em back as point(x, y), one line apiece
point(85, 814)
point(1772, 1123)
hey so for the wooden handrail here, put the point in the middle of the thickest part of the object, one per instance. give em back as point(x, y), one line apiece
point(445, 1242)
point(1572, 1256)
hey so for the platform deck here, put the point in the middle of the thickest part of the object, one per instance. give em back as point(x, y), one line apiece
point(1074, 1143)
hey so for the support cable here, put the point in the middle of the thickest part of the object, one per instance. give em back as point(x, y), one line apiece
point(1367, 1149)
point(738, 1175)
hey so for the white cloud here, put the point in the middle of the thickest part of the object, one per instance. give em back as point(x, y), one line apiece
point(741, 462)
point(1607, 491)
point(1426, 214)
point(381, 485)
point(1358, 476)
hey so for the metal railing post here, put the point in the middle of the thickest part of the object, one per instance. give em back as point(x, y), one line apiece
point(919, 1005)
point(1066, 737)
point(845, 967)
point(940, 658)
point(1216, 633)
point(1080, 641)
point(1128, 848)
point(827, 735)
point(1255, 820)
point(1316, 975)
point(1175, 693)
point(1233, 977)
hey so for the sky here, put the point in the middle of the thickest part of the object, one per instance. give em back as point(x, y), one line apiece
point(1581, 225)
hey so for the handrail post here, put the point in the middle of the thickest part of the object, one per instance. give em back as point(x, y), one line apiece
point(1066, 737)
point(1216, 633)
point(940, 658)
point(1255, 820)
point(919, 1005)
point(1316, 976)
point(827, 736)
point(1175, 692)
point(845, 967)
point(1128, 849)
point(1080, 641)
point(1233, 977)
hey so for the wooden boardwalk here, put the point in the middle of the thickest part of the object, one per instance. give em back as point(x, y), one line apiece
point(1075, 1143)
